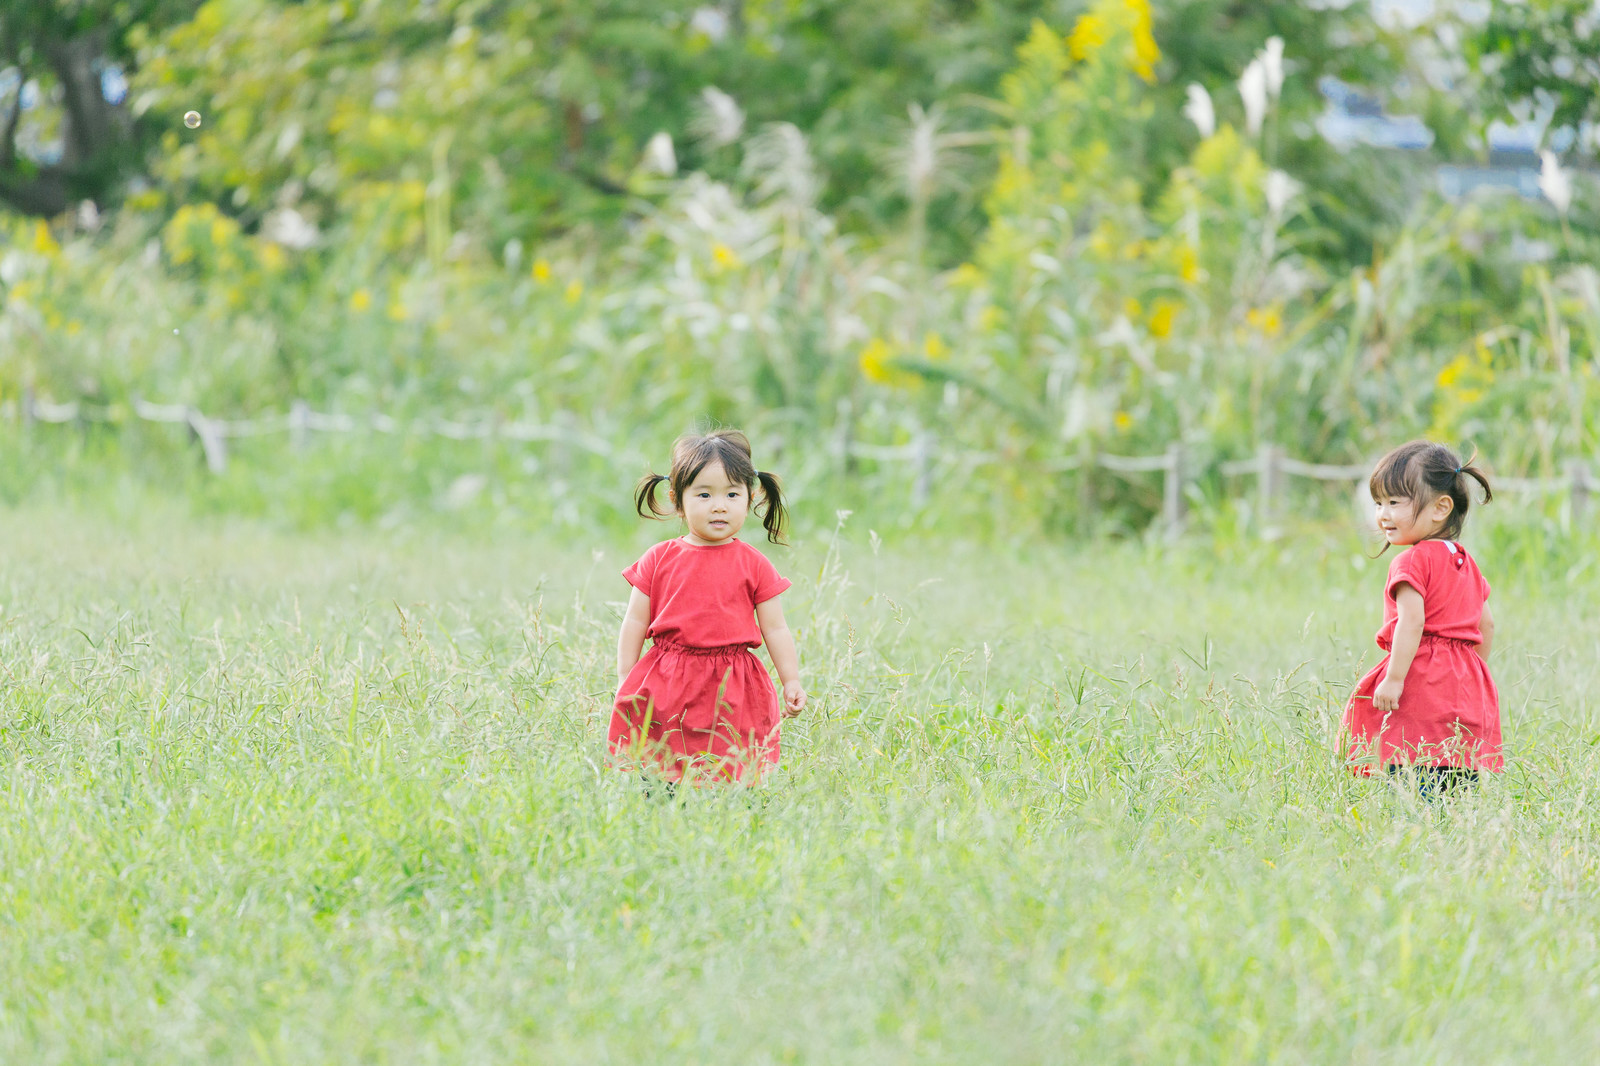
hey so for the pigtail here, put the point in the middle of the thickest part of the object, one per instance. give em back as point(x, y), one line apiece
point(645, 497)
point(1471, 469)
point(775, 514)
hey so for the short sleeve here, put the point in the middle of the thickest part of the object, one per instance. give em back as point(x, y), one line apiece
point(766, 582)
point(1413, 568)
point(642, 574)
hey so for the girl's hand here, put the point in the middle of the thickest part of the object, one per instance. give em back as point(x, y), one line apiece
point(1387, 696)
point(794, 698)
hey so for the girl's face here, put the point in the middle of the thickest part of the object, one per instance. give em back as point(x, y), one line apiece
point(1402, 522)
point(714, 507)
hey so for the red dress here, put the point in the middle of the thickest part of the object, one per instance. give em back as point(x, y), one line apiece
point(1449, 712)
point(699, 695)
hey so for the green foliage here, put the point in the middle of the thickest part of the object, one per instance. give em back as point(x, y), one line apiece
point(1539, 56)
point(379, 215)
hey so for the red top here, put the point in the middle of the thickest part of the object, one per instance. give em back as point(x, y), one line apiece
point(1453, 591)
point(705, 596)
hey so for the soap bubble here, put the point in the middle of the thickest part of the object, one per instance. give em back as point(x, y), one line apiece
point(192, 120)
point(174, 333)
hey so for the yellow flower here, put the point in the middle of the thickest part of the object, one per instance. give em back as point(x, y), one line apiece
point(43, 241)
point(1451, 372)
point(574, 292)
point(1162, 314)
point(877, 364)
point(541, 270)
point(219, 231)
point(1087, 37)
point(1265, 319)
point(1132, 308)
point(272, 257)
point(1145, 51)
point(1188, 263)
point(966, 276)
point(360, 300)
point(933, 346)
point(724, 257)
point(143, 201)
point(398, 312)
point(413, 193)
point(1123, 419)
point(875, 361)
point(1100, 241)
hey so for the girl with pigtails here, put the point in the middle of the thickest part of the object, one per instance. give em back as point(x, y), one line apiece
point(699, 702)
point(1430, 709)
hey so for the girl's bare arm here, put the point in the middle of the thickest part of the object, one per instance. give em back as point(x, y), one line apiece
point(630, 641)
point(785, 658)
point(1486, 626)
point(1407, 638)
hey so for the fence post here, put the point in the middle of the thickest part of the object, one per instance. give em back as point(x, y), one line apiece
point(1172, 501)
point(1578, 470)
point(212, 443)
point(922, 458)
point(1087, 460)
point(844, 434)
point(299, 424)
point(1269, 481)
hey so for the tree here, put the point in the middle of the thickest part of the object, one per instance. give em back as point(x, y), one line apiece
point(1537, 58)
point(60, 50)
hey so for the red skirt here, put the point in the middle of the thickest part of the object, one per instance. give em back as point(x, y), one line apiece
point(714, 709)
point(1449, 713)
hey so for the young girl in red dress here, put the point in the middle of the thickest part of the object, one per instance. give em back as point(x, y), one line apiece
point(1430, 707)
point(699, 701)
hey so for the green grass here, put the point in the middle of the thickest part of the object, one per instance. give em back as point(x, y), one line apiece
point(270, 796)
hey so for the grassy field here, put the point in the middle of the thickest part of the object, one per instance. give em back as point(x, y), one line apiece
point(340, 797)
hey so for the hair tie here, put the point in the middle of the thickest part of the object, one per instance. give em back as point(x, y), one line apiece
point(1459, 469)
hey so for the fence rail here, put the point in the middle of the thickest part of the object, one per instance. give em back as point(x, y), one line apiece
point(1270, 466)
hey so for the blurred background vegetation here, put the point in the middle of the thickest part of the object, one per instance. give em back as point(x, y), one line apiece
point(1023, 229)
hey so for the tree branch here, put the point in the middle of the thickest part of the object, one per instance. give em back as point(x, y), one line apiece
point(8, 146)
point(8, 141)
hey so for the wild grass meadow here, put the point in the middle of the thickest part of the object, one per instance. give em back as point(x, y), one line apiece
point(278, 796)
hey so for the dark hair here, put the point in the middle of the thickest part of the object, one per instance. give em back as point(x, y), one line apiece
point(692, 453)
point(1421, 472)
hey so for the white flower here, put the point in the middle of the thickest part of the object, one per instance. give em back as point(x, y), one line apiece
point(659, 156)
point(718, 120)
point(779, 158)
point(1272, 60)
point(1199, 110)
point(290, 228)
point(711, 21)
point(1253, 90)
point(1280, 189)
point(1555, 183)
point(922, 151)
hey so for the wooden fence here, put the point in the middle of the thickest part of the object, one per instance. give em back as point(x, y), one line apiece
point(1271, 466)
